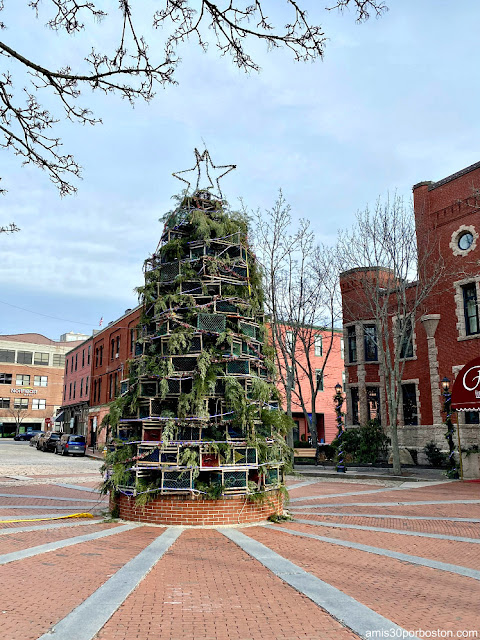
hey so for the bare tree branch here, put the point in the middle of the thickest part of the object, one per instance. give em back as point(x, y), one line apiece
point(130, 70)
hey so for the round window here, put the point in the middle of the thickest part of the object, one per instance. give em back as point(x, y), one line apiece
point(465, 241)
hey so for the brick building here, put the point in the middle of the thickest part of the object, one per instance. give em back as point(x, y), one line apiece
point(445, 335)
point(112, 348)
point(76, 389)
point(31, 380)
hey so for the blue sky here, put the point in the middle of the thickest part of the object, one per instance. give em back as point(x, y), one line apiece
point(395, 101)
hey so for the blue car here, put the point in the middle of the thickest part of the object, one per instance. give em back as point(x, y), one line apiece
point(71, 443)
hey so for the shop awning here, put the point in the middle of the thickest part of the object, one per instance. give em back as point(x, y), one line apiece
point(466, 389)
point(59, 417)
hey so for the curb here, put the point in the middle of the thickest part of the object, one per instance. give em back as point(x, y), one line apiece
point(365, 476)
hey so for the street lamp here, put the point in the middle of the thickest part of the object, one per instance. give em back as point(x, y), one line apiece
point(338, 410)
point(452, 471)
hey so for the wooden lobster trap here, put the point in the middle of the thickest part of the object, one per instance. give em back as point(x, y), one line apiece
point(233, 481)
point(177, 480)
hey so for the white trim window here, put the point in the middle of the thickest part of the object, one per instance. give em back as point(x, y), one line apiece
point(39, 404)
point(319, 345)
point(40, 381)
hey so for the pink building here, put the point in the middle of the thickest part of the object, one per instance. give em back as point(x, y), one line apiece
point(325, 347)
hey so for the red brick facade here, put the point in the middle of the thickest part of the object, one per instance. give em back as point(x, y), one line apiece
point(444, 338)
point(188, 511)
point(112, 348)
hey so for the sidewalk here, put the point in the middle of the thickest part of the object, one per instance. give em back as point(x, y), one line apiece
point(97, 454)
point(409, 474)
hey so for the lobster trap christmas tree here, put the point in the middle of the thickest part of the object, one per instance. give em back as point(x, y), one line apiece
point(201, 409)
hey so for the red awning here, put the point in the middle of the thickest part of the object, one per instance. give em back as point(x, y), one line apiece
point(466, 389)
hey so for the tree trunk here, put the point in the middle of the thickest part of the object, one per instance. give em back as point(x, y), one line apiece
point(397, 468)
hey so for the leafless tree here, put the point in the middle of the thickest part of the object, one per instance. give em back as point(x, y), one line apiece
point(18, 413)
point(130, 69)
point(300, 294)
point(390, 288)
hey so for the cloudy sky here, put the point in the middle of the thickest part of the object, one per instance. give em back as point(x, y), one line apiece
point(395, 101)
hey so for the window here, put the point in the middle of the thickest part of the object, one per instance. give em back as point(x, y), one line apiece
point(4, 403)
point(115, 384)
point(291, 378)
point(118, 346)
point(472, 417)
point(296, 431)
point(373, 403)
point(355, 405)
point(99, 390)
point(319, 379)
point(110, 390)
point(7, 356)
point(83, 358)
point(352, 345)
point(74, 389)
point(81, 387)
point(289, 341)
point(96, 357)
point(58, 360)
point(70, 392)
point(86, 386)
point(66, 365)
point(94, 390)
point(37, 404)
point(101, 355)
point(405, 331)
point(64, 393)
point(409, 397)
point(343, 380)
point(40, 381)
point(370, 342)
point(24, 357)
point(76, 361)
point(318, 345)
point(71, 367)
point(112, 348)
point(470, 308)
point(22, 380)
point(41, 359)
point(342, 348)
point(5, 378)
point(88, 353)
point(20, 403)
point(132, 340)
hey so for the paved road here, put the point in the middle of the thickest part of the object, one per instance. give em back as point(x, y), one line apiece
point(361, 559)
point(20, 459)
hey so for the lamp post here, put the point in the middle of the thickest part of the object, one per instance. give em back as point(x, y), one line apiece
point(340, 466)
point(452, 471)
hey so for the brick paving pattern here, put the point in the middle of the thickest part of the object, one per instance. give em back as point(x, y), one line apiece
point(207, 588)
point(61, 580)
point(411, 596)
point(462, 553)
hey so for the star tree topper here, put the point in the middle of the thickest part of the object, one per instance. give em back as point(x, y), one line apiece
point(203, 169)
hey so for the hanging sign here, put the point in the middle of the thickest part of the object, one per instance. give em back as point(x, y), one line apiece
point(466, 389)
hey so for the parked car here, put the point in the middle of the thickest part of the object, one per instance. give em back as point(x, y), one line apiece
point(71, 443)
point(48, 440)
point(34, 439)
point(28, 435)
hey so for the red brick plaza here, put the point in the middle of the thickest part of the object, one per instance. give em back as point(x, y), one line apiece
point(361, 559)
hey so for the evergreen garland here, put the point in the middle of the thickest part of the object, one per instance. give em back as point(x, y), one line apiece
point(201, 414)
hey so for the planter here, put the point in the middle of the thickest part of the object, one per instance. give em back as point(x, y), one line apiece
point(197, 511)
point(471, 466)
